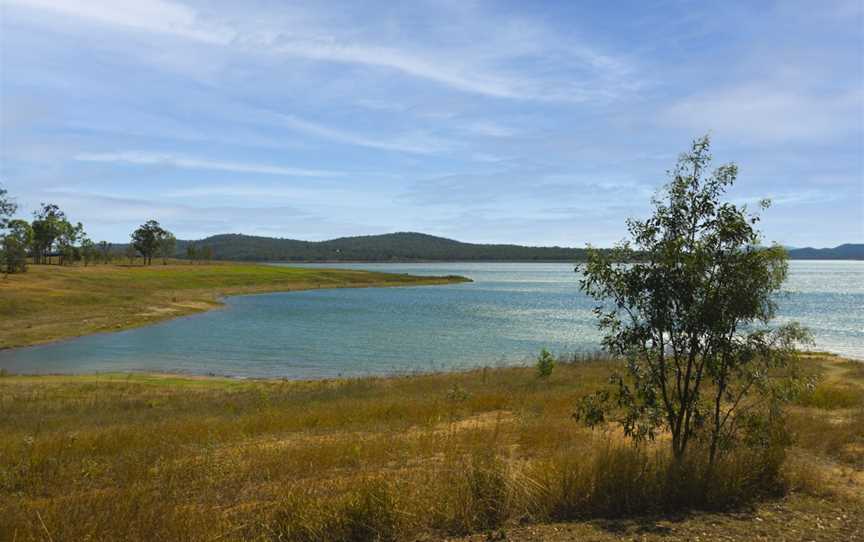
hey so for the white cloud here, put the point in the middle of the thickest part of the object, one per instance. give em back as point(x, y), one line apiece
point(185, 162)
point(456, 68)
point(490, 129)
point(762, 113)
point(417, 143)
point(144, 15)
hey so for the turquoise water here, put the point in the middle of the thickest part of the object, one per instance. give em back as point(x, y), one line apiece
point(505, 316)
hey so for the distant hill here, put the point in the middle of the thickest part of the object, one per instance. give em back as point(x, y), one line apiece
point(410, 246)
point(402, 246)
point(848, 251)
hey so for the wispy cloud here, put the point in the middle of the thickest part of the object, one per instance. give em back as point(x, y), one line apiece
point(145, 158)
point(601, 76)
point(145, 15)
point(769, 113)
point(490, 129)
point(418, 143)
point(486, 120)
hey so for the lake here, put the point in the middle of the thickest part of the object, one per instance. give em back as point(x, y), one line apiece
point(505, 316)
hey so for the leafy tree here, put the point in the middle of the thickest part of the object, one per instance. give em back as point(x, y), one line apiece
point(167, 245)
point(131, 253)
point(207, 253)
point(146, 240)
point(104, 249)
point(192, 252)
point(690, 315)
point(49, 223)
point(88, 251)
point(14, 244)
point(7, 208)
point(68, 237)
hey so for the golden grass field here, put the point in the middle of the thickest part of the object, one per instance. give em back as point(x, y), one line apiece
point(491, 453)
point(487, 454)
point(51, 302)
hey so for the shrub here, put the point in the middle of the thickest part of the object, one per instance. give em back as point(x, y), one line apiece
point(545, 364)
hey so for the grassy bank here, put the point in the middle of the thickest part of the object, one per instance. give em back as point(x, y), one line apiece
point(152, 457)
point(51, 302)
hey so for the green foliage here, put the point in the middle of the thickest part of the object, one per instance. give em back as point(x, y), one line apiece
point(147, 238)
point(13, 246)
point(545, 364)
point(49, 223)
point(693, 308)
point(7, 208)
point(167, 245)
point(104, 249)
point(192, 252)
point(68, 236)
point(130, 253)
point(89, 251)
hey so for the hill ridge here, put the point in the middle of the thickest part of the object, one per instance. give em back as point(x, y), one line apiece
point(417, 246)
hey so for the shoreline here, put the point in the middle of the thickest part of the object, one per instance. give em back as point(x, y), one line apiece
point(178, 374)
point(219, 304)
point(169, 302)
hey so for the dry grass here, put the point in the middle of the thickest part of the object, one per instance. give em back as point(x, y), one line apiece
point(50, 302)
point(150, 457)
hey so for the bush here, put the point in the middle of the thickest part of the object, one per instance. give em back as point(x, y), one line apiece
point(545, 364)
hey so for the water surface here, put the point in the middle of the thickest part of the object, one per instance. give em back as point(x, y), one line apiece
point(505, 316)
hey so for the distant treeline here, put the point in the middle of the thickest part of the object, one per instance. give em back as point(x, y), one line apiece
point(52, 238)
point(378, 248)
point(407, 246)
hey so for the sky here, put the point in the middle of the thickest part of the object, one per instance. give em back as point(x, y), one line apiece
point(539, 123)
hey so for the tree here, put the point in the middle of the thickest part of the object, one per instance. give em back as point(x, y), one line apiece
point(68, 236)
point(13, 246)
point(545, 364)
point(88, 251)
point(146, 240)
point(167, 245)
point(692, 308)
point(7, 208)
point(49, 223)
point(192, 252)
point(104, 248)
point(207, 253)
point(131, 253)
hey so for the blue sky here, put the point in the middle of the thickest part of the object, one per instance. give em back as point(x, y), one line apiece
point(528, 122)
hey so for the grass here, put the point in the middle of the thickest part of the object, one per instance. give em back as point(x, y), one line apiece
point(51, 302)
point(160, 457)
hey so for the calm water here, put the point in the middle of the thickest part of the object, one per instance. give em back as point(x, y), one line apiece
point(507, 315)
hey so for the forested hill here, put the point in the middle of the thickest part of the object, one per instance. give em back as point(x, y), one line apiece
point(848, 251)
point(406, 246)
point(390, 247)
